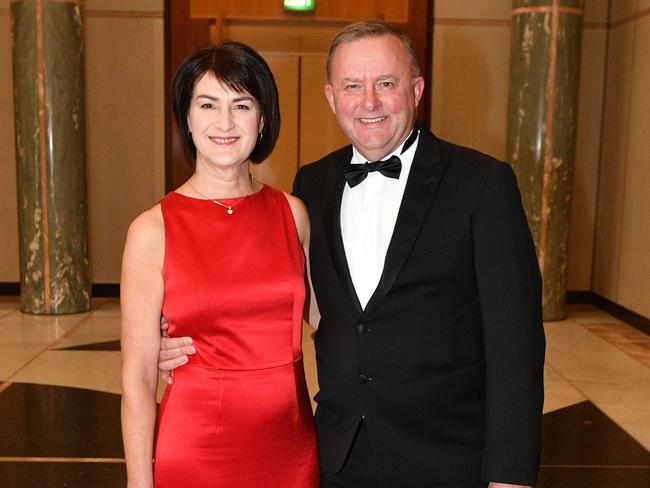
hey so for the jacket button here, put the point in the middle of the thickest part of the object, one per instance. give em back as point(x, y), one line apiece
point(363, 379)
point(361, 328)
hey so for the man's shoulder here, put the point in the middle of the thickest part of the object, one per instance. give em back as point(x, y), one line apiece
point(457, 154)
point(310, 178)
point(330, 160)
point(462, 159)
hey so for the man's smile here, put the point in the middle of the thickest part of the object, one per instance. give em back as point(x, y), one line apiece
point(375, 120)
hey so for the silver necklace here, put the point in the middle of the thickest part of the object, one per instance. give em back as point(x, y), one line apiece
point(228, 208)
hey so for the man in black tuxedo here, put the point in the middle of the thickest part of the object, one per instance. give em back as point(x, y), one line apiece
point(430, 347)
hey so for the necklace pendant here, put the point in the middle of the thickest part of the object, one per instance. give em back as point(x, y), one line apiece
point(230, 211)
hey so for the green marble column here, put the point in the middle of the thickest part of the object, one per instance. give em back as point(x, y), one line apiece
point(544, 71)
point(50, 155)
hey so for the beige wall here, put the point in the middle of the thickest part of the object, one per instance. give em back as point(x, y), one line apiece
point(125, 122)
point(609, 249)
point(125, 128)
point(279, 168)
point(470, 73)
point(622, 251)
point(8, 200)
point(470, 100)
point(610, 238)
point(585, 180)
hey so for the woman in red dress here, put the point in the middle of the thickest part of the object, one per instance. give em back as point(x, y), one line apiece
point(223, 259)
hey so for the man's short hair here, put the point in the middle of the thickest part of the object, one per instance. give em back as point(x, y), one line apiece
point(371, 28)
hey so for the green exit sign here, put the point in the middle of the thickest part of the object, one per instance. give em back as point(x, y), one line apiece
point(299, 4)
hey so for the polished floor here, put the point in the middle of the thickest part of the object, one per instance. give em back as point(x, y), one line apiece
point(60, 385)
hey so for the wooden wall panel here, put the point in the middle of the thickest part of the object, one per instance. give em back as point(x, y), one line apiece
point(267, 28)
point(614, 153)
point(320, 133)
point(349, 11)
point(182, 34)
point(634, 262)
point(280, 168)
point(124, 132)
point(8, 199)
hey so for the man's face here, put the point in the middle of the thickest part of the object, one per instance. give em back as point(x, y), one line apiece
point(373, 94)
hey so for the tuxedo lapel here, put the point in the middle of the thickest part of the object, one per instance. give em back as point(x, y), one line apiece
point(424, 177)
point(331, 214)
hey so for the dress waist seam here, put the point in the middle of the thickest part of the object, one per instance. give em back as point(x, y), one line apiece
point(244, 370)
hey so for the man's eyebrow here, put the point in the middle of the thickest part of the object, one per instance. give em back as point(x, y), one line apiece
point(359, 80)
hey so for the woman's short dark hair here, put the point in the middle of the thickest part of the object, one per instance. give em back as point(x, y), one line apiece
point(240, 69)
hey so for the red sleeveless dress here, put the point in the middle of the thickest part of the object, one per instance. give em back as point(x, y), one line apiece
point(238, 414)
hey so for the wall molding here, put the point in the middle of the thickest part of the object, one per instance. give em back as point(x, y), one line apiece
point(630, 18)
point(614, 309)
point(9, 289)
point(501, 23)
point(111, 290)
point(595, 25)
point(472, 22)
point(43, 459)
point(111, 14)
point(579, 297)
point(592, 25)
point(141, 14)
point(125, 14)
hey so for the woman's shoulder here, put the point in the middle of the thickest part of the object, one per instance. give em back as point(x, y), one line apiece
point(300, 215)
point(148, 227)
point(293, 200)
point(296, 204)
point(298, 208)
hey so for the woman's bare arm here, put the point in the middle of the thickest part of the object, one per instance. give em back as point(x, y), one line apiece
point(301, 217)
point(141, 295)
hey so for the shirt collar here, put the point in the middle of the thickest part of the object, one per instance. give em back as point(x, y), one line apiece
point(358, 158)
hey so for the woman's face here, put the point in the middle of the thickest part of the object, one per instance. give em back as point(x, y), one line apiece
point(224, 123)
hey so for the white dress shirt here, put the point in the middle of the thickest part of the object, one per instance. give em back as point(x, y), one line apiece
point(368, 216)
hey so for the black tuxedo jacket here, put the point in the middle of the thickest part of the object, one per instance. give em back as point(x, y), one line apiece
point(446, 360)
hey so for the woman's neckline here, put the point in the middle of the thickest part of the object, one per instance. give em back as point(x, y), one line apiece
point(262, 188)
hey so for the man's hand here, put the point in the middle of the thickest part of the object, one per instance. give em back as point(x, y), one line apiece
point(173, 352)
point(506, 485)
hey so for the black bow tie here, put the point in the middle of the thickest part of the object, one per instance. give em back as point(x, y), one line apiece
point(356, 173)
point(391, 167)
